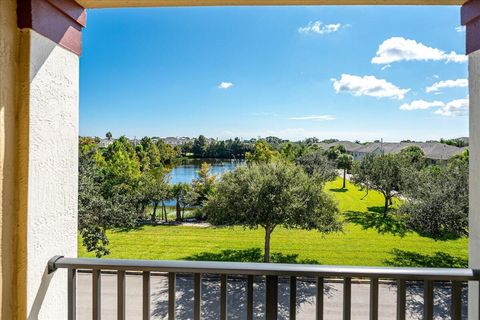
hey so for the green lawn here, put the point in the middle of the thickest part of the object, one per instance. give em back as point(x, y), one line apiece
point(367, 239)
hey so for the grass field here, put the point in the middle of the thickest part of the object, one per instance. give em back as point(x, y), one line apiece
point(367, 239)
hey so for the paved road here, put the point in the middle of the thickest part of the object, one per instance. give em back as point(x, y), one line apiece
point(237, 299)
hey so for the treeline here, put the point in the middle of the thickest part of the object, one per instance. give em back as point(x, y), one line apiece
point(118, 183)
point(202, 147)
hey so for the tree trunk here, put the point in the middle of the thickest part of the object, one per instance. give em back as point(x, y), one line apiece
point(164, 211)
point(266, 257)
point(154, 214)
point(386, 206)
point(344, 177)
point(179, 211)
point(390, 201)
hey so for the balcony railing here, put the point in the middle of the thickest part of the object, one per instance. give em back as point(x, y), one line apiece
point(271, 272)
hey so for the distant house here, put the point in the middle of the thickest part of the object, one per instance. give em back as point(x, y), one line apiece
point(105, 142)
point(176, 141)
point(434, 151)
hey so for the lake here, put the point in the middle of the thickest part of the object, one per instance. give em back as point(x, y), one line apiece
point(188, 171)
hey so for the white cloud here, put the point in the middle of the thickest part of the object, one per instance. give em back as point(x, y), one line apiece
point(458, 83)
point(421, 105)
point(319, 27)
point(400, 49)
point(460, 29)
point(368, 86)
point(453, 108)
point(315, 117)
point(225, 85)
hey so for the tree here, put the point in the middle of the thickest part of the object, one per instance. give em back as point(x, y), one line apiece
point(344, 161)
point(334, 152)
point(108, 135)
point(318, 164)
point(200, 146)
point(437, 203)
point(383, 173)
point(97, 209)
point(204, 185)
point(268, 195)
point(362, 171)
point(262, 153)
point(413, 156)
point(179, 192)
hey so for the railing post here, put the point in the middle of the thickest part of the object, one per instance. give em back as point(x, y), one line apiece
point(428, 300)
point(197, 299)
point(347, 298)
point(250, 279)
point(293, 298)
point(373, 298)
point(121, 295)
point(401, 300)
point(96, 294)
point(223, 297)
point(72, 294)
point(171, 295)
point(146, 295)
point(319, 305)
point(271, 304)
point(456, 307)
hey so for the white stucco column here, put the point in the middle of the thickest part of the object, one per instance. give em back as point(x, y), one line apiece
point(51, 100)
point(474, 180)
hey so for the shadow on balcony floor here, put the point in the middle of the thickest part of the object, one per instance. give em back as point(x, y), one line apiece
point(306, 289)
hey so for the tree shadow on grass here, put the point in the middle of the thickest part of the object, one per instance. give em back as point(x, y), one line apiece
point(236, 299)
point(402, 258)
point(338, 189)
point(128, 229)
point(248, 255)
point(378, 221)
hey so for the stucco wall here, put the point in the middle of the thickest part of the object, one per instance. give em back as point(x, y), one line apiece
point(52, 173)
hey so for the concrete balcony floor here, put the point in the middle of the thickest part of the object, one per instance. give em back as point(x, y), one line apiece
point(237, 298)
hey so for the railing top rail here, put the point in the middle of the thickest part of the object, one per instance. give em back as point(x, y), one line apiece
point(276, 269)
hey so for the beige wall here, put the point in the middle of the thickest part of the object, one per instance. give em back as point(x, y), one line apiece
point(38, 169)
point(52, 203)
point(8, 88)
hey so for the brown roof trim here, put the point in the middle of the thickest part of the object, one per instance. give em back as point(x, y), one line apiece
point(470, 15)
point(59, 20)
point(192, 3)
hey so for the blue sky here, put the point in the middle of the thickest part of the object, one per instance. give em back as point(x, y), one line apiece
point(332, 72)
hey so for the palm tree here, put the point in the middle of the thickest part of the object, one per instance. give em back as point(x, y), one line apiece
point(179, 192)
point(344, 161)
